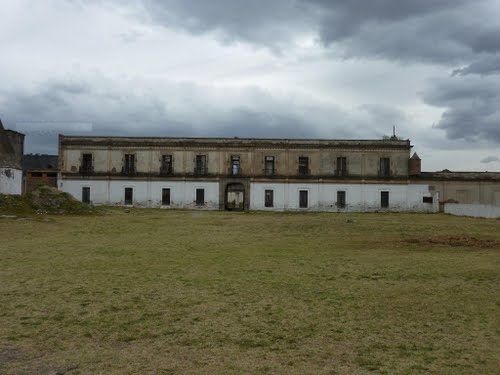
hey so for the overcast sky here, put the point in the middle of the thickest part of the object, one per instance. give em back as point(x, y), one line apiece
point(260, 68)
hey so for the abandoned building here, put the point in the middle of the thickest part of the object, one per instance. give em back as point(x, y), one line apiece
point(243, 173)
point(39, 169)
point(11, 156)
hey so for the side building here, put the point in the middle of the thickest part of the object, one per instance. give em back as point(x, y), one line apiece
point(11, 156)
point(39, 169)
point(242, 173)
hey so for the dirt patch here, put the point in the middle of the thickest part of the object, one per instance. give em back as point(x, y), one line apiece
point(455, 241)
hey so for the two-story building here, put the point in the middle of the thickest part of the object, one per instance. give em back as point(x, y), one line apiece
point(242, 173)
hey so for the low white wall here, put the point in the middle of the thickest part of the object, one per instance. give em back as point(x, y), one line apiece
point(11, 181)
point(145, 193)
point(474, 210)
point(359, 197)
point(321, 196)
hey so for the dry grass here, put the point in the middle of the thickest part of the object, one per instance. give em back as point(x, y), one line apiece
point(156, 291)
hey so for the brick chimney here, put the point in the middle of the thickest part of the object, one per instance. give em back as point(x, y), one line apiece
point(414, 165)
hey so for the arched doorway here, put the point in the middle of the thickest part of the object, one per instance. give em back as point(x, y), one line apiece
point(235, 197)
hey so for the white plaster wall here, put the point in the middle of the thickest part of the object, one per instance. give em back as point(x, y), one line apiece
point(473, 210)
point(11, 181)
point(146, 193)
point(359, 197)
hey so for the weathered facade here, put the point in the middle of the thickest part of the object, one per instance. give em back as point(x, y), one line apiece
point(11, 155)
point(39, 169)
point(238, 173)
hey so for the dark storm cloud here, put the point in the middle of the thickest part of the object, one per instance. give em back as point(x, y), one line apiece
point(472, 107)
point(439, 31)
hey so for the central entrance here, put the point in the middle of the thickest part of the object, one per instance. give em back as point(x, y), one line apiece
point(235, 197)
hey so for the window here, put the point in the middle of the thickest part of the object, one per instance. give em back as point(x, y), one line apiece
point(200, 164)
point(384, 199)
point(303, 165)
point(129, 196)
point(166, 165)
point(341, 199)
point(86, 194)
point(200, 197)
point(129, 167)
point(269, 198)
point(303, 198)
point(52, 175)
point(427, 200)
point(165, 197)
point(36, 174)
point(86, 163)
point(235, 165)
point(385, 167)
point(341, 166)
point(269, 165)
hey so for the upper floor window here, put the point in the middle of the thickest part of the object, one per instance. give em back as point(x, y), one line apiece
point(235, 165)
point(269, 169)
point(341, 169)
point(385, 167)
point(200, 164)
point(86, 166)
point(303, 165)
point(129, 166)
point(166, 164)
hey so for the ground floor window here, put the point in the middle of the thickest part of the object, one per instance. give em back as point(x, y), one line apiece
point(341, 199)
point(200, 197)
point(86, 194)
point(427, 200)
point(303, 198)
point(269, 198)
point(384, 199)
point(165, 197)
point(129, 195)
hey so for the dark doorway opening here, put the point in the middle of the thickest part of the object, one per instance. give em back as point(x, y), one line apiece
point(235, 197)
point(86, 194)
point(200, 197)
point(129, 196)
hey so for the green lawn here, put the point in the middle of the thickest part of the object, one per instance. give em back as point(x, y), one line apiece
point(157, 291)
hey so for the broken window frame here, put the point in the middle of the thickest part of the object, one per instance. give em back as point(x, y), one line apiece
point(200, 165)
point(385, 167)
point(128, 198)
point(427, 200)
point(268, 198)
point(129, 164)
point(341, 198)
point(341, 167)
point(235, 165)
point(165, 196)
point(200, 197)
point(86, 194)
point(167, 164)
point(304, 166)
point(384, 199)
point(303, 198)
point(269, 165)
point(87, 164)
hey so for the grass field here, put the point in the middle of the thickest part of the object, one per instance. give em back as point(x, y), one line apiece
point(156, 291)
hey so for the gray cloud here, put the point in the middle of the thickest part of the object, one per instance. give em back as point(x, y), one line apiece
point(488, 65)
point(438, 31)
point(472, 107)
point(490, 159)
point(74, 106)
